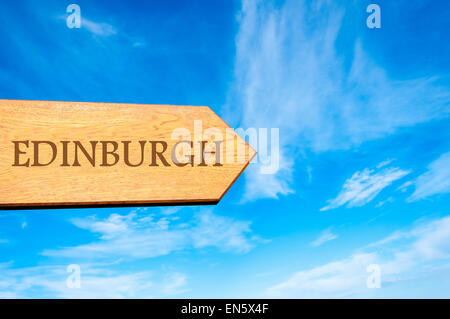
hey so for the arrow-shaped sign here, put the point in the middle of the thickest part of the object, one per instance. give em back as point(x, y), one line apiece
point(59, 154)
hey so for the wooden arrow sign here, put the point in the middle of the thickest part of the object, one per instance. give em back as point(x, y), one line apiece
point(60, 154)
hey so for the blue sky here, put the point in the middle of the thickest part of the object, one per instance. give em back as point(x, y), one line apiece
point(363, 118)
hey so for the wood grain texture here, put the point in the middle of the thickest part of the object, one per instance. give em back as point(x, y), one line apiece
point(85, 185)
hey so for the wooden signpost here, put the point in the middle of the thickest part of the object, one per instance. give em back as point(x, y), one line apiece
point(78, 154)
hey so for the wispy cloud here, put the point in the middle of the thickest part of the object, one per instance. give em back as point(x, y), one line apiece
point(268, 186)
point(404, 254)
point(332, 278)
point(175, 284)
point(99, 29)
point(436, 180)
point(95, 282)
point(364, 186)
point(404, 187)
point(384, 202)
point(324, 237)
point(289, 74)
point(146, 235)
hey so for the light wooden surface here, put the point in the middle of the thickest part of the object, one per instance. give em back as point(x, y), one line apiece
point(85, 185)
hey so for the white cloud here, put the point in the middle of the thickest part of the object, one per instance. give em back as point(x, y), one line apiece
point(404, 187)
point(97, 281)
point(175, 284)
point(324, 237)
point(99, 29)
point(436, 180)
point(137, 236)
point(383, 202)
point(106, 30)
point(402, 255)
point(289, 74)
point(331, 278)
point(222, 232)
point(267, 185)
point(364, 186)
point(122, 238)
